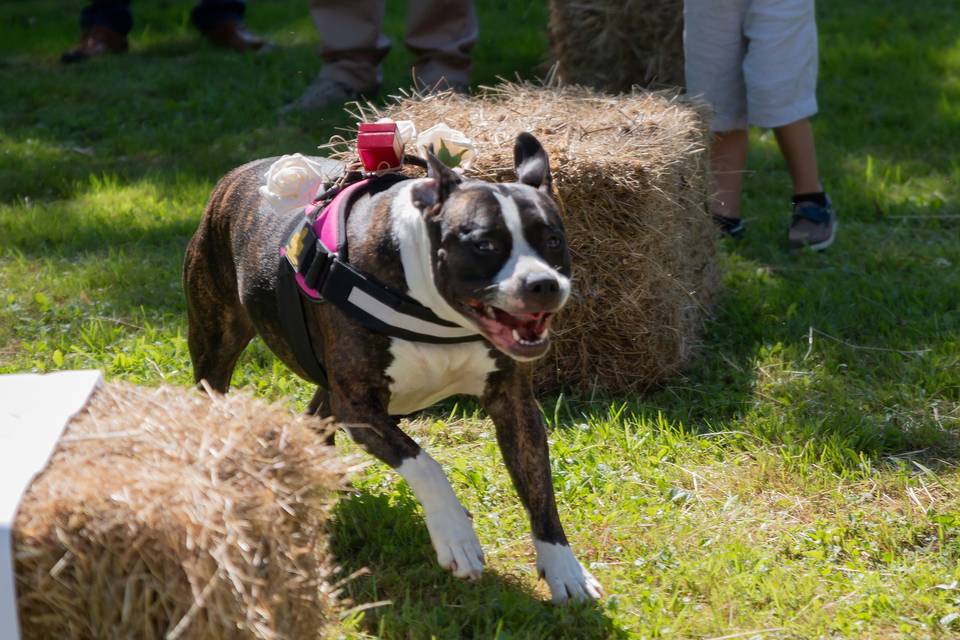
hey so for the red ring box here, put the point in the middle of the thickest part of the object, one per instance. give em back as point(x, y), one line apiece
point(379, 146)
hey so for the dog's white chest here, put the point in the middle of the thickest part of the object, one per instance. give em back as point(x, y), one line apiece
point(422, 374)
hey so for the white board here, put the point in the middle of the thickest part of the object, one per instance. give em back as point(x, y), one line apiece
point(34, 409)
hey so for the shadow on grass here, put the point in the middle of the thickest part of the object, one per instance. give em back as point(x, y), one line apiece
point(386, 535)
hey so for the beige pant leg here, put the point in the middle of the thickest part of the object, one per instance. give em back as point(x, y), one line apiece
point(351, 42)
point(441, 33)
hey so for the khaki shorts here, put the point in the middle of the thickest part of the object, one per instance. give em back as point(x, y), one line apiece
point(754, 61)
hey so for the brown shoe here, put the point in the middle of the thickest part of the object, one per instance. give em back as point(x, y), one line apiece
point(234, 35)
point(322, 94)
point(96, 41)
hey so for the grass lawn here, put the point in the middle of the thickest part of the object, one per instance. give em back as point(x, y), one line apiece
point(801, 481)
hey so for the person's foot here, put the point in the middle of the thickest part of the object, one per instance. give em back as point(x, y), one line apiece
point(96, 41)
point(322, 94)
point(732, 227)
point(234, 35)
point(814, 225)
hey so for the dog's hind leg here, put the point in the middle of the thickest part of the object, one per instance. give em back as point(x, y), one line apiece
point(216, 342)
point(320, 407)
point(219, 327)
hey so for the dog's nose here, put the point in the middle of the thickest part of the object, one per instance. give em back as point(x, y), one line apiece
point(542, 287)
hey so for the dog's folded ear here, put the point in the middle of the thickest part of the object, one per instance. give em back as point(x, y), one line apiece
point(430, 194)
point(531, 163)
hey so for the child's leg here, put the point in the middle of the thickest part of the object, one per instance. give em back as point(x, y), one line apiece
point(714, 47)
point(799, 150)
point(814, 222)
point(780, 71)
point(728, 160)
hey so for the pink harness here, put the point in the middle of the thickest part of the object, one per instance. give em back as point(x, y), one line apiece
point(326, 224)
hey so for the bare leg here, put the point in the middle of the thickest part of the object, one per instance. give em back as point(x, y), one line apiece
point(800, 153)
point(727, 162)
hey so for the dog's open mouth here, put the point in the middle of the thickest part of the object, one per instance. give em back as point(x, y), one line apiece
point(522, 335)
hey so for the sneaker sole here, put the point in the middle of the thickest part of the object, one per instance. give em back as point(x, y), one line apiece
point(820, 246)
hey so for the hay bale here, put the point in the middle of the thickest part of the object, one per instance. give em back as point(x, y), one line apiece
point(631, 176)
point(613, 45)
point(167, 514)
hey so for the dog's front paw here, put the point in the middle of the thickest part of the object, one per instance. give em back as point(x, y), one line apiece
point(455, 542)
point(566, 577)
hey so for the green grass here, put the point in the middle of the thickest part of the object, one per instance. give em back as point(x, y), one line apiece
point(800, 481)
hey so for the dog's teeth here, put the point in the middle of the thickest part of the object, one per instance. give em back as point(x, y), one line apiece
point(516, 336)
point(488, 311)
point(543, 334)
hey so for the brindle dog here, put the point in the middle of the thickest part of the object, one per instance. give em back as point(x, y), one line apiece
point(488, 257)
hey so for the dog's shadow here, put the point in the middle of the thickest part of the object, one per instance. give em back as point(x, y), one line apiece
point(405, 594)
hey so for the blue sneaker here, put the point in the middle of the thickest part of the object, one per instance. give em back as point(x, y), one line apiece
point(732, 227)
point(812, 225)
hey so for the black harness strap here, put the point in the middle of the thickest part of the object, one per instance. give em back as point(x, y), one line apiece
point(294, 325)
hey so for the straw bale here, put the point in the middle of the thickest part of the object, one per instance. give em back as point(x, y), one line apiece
point(613, 45)
point(165, 513)
point(630, 174)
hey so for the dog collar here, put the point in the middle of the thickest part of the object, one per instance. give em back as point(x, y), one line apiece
point(316, 268)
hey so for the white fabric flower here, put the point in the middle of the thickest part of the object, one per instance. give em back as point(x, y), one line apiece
point(406, 129)
point(449, 145)
point(292, 182)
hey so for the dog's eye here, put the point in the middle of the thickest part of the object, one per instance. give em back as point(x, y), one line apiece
point(554, 242)
point(485, 246)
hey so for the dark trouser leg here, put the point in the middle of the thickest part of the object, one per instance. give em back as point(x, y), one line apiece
point(351, 43)
point(109, 14)
point(442, 34)
point(208, 14)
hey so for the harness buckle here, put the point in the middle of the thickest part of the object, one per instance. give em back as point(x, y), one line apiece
point(298, 244)
point(316, 269)
point(309, 258)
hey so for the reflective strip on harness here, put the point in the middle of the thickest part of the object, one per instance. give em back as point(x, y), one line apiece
point(385, 310)
point(370, 305)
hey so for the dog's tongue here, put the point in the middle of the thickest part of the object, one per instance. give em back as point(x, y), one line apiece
point(528, 325)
